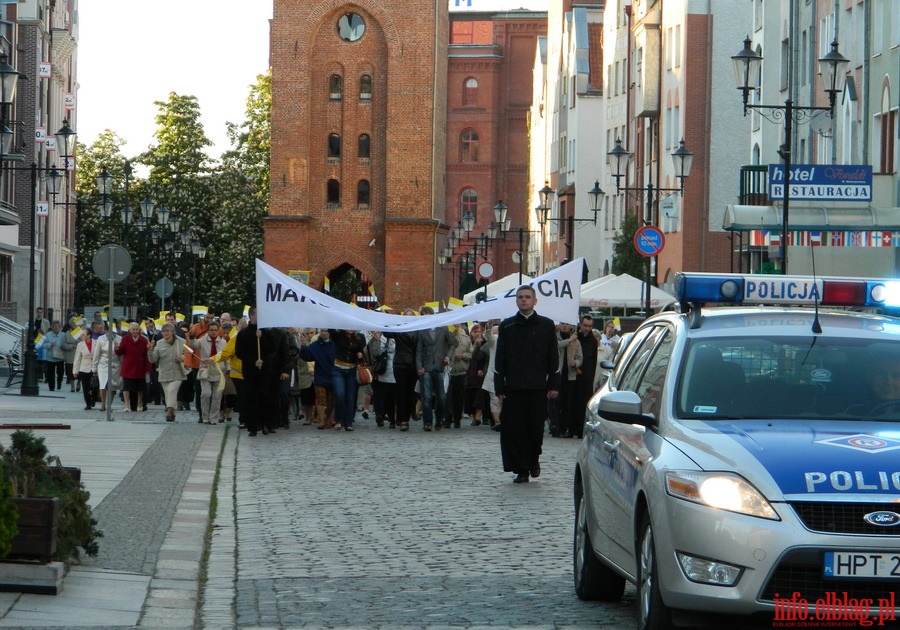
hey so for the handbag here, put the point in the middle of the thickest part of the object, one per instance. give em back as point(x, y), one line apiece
point(379, 366)
point(95, 381)
point(363, 375)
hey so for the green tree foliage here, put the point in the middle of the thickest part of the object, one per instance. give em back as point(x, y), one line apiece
point(8, 516)
point(181, 178)
point(242, 187)
point(94, 231)
point(626, 259)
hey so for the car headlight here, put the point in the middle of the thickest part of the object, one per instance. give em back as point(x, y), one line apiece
point(722, 490)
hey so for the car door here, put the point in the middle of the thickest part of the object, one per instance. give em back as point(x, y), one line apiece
point(626, 443)
point(602, 488)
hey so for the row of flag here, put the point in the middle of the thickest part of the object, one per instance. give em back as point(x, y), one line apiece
point(814, 238)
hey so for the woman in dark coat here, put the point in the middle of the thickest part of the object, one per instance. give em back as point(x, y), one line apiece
point(405, 372)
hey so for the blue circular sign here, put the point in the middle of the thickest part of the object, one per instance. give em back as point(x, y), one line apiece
point(649, 241)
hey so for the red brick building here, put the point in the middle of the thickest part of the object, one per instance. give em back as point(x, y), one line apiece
point(358, 145)
point(489, 91)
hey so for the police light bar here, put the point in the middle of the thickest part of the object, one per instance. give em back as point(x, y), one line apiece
point(727, 288)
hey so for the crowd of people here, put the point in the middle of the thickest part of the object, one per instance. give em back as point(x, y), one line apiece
point(325, 378)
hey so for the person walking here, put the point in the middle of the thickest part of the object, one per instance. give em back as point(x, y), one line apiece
point(584, 377)
point(459, 365)
point(55, 345)
point(570, 360)
point(69, 346)
point(321, 352)
point(526, 374)
point(235, 375)
point(168, 356)
point(349, 346)
point(210, 374)
point(473, 403)
point(133, 351)
point(494, 404)
point(404, 366)
point(263, 365)
point(433, 351)
point(105, 364)
point(82, 366)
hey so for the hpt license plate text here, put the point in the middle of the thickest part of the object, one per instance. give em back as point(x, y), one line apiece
point(862, 565)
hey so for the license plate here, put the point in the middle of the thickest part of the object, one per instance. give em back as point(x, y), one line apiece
point(843, 564)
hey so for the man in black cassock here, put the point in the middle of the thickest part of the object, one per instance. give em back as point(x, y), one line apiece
point(525, 376)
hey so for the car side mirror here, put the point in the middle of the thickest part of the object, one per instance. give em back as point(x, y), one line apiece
point(625, 407)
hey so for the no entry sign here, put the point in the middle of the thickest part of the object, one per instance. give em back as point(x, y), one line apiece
point(649, 241)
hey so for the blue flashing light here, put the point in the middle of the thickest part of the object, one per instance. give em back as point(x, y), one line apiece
point(717, 288)
point(883, 293)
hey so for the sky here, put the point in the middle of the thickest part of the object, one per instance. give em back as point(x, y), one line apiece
point(132, 53)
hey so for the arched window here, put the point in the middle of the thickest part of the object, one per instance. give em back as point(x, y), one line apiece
point(336, 87)
point(363, 147)
point(468, 146)
point(468, 202)
point(365, 87)
point(362, 193)
point(470, 92)
point(333, 192)
point(334, 146)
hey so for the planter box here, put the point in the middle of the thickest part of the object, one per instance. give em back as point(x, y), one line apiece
point(38, 521)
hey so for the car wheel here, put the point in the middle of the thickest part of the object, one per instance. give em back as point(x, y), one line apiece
point(593, 579)
point(653, 612)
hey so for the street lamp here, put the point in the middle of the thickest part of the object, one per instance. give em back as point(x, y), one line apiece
point(617, 160)
point(747, 71)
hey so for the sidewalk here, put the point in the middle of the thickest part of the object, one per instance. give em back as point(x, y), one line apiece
point(150, 483)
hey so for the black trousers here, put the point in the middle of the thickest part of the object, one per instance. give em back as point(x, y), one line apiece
point(406, 392)
point(582, 393)
point(55, 372)
point(86, 391)
point(522, 429)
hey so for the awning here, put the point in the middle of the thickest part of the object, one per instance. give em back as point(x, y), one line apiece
point(804, 217)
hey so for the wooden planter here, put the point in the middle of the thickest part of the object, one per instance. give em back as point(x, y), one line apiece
point(38, 521)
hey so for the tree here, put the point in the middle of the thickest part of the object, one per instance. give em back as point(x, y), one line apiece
point(242, 186)
point(180, 177)
point(92, 230)
point(626, 258)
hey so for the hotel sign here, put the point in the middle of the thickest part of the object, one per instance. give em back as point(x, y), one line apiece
point(822, 182)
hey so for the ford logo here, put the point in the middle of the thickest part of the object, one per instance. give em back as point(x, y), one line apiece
point(883, 519)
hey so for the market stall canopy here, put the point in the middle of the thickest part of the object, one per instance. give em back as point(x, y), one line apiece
point(836, 218)
point(498, 286)
point(622, 291)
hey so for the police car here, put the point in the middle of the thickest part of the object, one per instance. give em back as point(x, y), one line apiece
point(745, 459)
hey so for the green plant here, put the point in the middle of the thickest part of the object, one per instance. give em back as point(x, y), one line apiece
point(9, 514)
point(30, 469)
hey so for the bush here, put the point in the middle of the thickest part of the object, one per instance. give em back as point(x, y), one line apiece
point(34, 473)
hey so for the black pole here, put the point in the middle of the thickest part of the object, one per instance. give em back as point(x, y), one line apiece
point(521, 247)
point(29, 365)
point(786, 156)
point(127, 171)
point(649, 220)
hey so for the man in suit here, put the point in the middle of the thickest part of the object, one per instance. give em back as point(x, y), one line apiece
point(434, 348)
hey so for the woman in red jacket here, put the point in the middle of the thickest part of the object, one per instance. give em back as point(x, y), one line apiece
point(135, 365)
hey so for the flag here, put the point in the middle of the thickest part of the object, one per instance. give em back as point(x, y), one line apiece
point(199, 310)
point(162, 315)
point(104, 315)
point(75, 332)
point(454, 303)
point(757, 238)
point(774, 238)
point(855, 239)
point(815, 238)
point(895, 239)
point(144, 327)
point(38, 339)
point(886, 239)
point(617, 323)
point(838, 239)
point(326, 284)
point(160, 322)
point(179, 317)
point(435, 305)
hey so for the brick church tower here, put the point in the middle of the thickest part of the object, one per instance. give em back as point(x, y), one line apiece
point(358, 145)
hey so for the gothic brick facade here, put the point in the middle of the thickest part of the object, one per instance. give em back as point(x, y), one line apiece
point(358, 143)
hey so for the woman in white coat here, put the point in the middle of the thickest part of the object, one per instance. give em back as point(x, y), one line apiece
point(168, 355)
point(83, 365)
point(101, 360)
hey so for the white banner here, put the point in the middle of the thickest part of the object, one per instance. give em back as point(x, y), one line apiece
point(285, 302)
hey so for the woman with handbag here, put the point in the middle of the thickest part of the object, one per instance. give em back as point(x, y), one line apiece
point(168, 354)
point(82, 366)
point(105, 365)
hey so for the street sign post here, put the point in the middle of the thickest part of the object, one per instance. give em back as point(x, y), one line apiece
point(649, 241)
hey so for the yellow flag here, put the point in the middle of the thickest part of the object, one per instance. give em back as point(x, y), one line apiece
point(199, 310)
point(38, 339)
point(617, 323)
point(434, 305)
point(246, 311)
point(75, 332)
point(454, 303)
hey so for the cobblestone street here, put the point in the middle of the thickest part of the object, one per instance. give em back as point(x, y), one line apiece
point(382, 529)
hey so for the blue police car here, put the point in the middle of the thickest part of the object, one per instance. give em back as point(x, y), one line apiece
point(745, 459)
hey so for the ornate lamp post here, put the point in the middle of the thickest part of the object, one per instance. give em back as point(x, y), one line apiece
point(747, 66)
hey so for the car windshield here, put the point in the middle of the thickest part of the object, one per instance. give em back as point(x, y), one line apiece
point(802, 377)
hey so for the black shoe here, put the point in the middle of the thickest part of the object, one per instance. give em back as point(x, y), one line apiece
point(438, 426)
point(554, 431)
point(200, 421)
point(265, 431)
point(495, 427)
point(272, 431)
point(252, 433)
point(380, 423)
point(536, 471)
point(170, 418)
point(365, 415)
point(392, 425)
point(521, 478)
point(88, 408)
point(427, 427)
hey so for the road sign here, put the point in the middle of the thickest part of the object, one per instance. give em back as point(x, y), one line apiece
point(112, 263)
point(163, 288)
point(485, 270)
point(649, 241)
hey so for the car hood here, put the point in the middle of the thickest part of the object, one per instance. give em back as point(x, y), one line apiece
point(796, 457)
